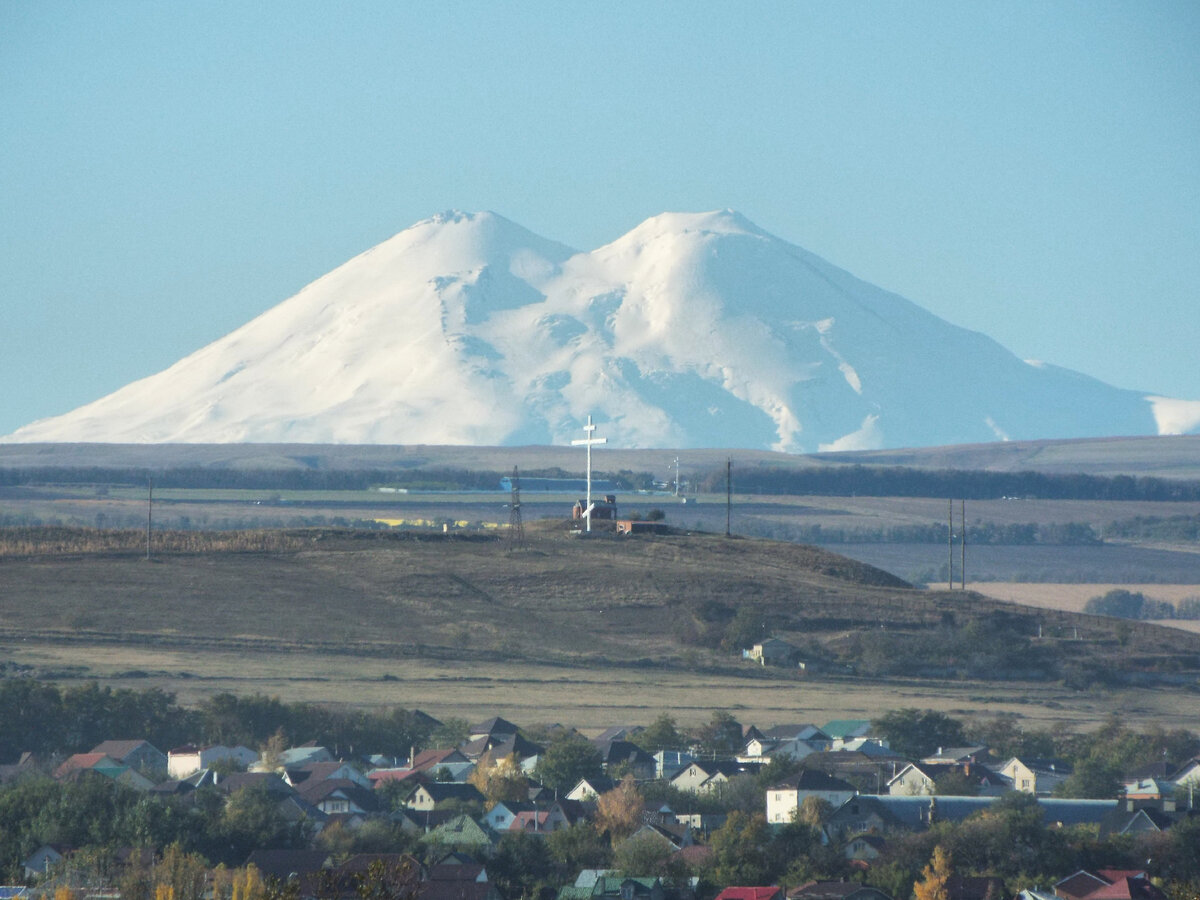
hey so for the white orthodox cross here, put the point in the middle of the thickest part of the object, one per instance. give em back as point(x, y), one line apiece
point(587, 442)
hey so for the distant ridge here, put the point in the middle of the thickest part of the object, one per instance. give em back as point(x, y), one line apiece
point(693, 330)
point(1162, 457)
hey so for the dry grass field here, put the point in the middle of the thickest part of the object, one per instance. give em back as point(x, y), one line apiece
point(589, 697)
point(589, 632)
point(586, 632)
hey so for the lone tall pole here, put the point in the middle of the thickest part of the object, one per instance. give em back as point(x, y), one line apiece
point(149, 512)
point(950, 548)
point(963, 568)
point(589, 428)
point(728, 493)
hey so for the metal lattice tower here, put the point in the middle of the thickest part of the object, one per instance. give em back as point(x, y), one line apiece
point(516, 528)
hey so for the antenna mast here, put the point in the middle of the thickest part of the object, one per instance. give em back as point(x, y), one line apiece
point(516, 528)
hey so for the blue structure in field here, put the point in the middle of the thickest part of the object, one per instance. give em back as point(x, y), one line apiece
point(558, 485)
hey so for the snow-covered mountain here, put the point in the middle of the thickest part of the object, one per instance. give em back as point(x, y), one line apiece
point(692, 330)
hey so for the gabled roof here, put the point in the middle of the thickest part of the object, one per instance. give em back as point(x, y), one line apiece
point(429, 759)
point(617, 751)
point(974, 887)
point(598, 784)
point(974, 772)
point(957, 754)
point(78, 761)
point(317, 791)
point(268, 781)
point(1042, 765)
point(812, 780)
point(493, 726)
point(844, 728)
point(806, 732)
point(317, 771)
point(451, 790)
point(501, 746)
point(460, 829)
point(530, 820)
point(618, 733)
point(749, 893)
point(118, 750)
point(836, 890)
point(282, 863)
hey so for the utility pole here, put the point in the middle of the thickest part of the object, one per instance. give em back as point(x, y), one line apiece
point(149, 511)
point(963, 546)
point(950, 548)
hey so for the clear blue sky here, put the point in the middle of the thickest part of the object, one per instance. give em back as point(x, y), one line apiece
point(170, 170)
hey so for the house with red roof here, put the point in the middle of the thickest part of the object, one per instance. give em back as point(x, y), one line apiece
point(750, 893)
point(1108, 884)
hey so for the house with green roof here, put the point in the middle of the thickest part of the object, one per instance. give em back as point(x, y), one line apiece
point(461, 831)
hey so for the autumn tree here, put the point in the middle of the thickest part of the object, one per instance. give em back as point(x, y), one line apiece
point(619, 811)
point(181, 874)
point(500, 779)
point(812, 811)
point(935, 877)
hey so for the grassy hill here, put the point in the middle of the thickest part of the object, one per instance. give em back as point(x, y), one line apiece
point(332, 609)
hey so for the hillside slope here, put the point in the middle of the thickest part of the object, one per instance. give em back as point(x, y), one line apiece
point(669, 601)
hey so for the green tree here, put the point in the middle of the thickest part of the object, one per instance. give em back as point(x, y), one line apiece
point(721, 735)
point(579, 847)
point(661, 734)
point(1094, 778)
point(569, 757)
point(742, 850)
point(647, 855)
point(955, 784)
point(916, 733)
point(520, 865)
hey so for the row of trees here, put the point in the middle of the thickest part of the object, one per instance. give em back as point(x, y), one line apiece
point(310, 478)
point(902, 481)
point(990, 533)
point(1126, 604)
point(49, 720)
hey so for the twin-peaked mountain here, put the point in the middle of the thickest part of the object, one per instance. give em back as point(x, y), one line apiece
point(692, 330)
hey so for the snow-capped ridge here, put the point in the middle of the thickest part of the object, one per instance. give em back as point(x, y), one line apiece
point(691, 330)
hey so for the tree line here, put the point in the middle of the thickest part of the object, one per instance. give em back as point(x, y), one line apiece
point(1062, 534)
point(968, 484)
point(57, 721)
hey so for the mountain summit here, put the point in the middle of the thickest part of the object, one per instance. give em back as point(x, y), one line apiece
point(692, 330)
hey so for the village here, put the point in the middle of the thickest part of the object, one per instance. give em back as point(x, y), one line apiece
point(847, 810)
